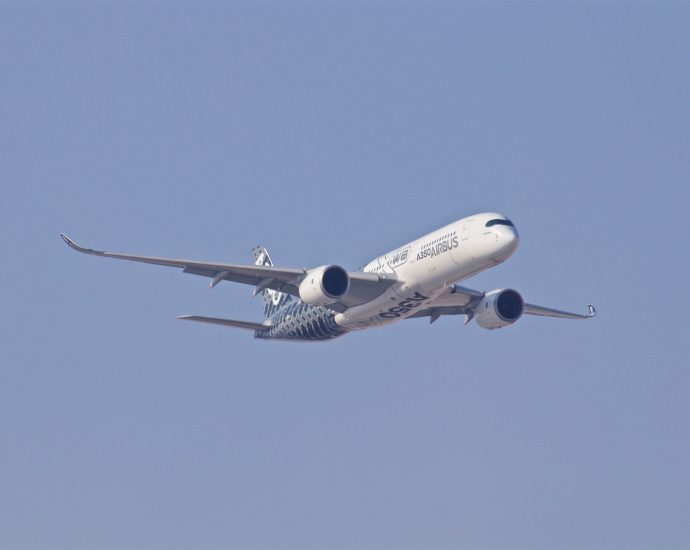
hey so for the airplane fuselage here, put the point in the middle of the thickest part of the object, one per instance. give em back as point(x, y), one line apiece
point(425, 270)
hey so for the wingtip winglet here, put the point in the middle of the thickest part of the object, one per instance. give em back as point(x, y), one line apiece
point(78, 248)
point(65, 238)
point(592, 311)
point(71, 243)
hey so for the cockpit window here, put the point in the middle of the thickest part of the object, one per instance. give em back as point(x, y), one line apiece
point(499, 222)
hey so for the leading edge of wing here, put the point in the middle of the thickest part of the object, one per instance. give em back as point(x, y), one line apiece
point(206, 268)
point(531, 309)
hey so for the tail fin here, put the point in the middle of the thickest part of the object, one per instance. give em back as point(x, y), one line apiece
point(273, 300)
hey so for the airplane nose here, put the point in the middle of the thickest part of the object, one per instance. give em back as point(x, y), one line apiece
point(503, 236)
point(511, 236)
point(508, 239)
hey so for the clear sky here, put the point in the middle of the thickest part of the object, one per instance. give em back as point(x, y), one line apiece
point(333, 132)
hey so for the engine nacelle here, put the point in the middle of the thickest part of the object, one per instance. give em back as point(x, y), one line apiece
point(499, 308)
point(324, 285)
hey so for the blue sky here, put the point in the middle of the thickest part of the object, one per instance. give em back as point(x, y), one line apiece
point(333, 132)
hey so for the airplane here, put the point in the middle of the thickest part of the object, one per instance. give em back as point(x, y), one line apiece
point(418, 279)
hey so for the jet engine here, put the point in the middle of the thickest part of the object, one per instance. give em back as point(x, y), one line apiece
point(499, 308)
point(324, 285)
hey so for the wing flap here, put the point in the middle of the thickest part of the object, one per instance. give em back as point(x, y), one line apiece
point(455, 300)
point(436, 312)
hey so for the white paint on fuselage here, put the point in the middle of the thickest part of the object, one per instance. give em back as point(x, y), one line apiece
point(426, 267)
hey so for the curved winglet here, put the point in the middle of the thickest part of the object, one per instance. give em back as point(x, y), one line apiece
point(592, 311)
point(78, 248)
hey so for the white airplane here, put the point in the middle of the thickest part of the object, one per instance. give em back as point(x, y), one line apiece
point(417, 279)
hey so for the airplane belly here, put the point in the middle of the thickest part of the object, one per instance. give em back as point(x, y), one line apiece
point(395, 304)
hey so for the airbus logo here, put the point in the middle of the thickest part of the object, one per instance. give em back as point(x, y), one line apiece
point(439, 248)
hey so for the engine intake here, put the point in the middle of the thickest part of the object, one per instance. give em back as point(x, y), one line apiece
point(499, 308)
point(324, 285)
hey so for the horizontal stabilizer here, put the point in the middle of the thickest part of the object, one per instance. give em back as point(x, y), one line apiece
point(227, 322)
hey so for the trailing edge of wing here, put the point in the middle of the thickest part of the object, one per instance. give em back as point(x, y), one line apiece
point(226, 322)
point(435, 312)
point(456, 300)
point(531, 309)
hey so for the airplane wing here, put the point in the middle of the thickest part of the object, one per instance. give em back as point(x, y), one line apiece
point(462, 301)
point(531, 309)
point(363, 286)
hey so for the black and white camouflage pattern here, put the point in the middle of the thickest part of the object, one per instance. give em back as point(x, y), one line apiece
point(290, 318)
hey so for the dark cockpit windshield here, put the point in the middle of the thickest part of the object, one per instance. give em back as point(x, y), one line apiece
point(491, 223)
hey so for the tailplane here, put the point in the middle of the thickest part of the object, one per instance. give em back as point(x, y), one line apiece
point(227, 322)
point(273, 300)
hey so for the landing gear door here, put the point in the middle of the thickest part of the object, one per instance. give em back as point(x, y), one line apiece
point(465, 234)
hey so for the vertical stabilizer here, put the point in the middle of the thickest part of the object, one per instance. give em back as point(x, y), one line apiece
point(273, 300)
